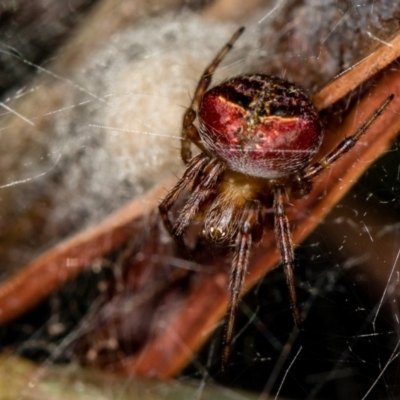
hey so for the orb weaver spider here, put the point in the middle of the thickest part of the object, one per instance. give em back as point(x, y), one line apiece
point(257, 136)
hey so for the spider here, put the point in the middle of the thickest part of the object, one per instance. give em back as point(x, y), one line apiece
point(257, 136)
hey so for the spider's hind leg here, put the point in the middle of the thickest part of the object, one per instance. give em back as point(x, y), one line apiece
point(189, 131)
point(346, 144)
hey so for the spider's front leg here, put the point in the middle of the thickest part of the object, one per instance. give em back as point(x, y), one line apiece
point(204, 173)
point(189, 131)
point(286, 248)
point(249, 232)
point(193, 169)
point(202, 191)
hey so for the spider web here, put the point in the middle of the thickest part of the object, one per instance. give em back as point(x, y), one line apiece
point(111, 131)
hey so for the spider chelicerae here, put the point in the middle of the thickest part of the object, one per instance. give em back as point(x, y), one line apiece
point(258, 135)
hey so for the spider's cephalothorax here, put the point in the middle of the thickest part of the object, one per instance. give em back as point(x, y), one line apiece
point(257, 135)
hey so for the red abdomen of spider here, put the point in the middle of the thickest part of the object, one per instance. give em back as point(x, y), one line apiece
point(260, 125)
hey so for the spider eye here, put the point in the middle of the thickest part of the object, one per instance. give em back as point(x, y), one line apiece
point(217, 233)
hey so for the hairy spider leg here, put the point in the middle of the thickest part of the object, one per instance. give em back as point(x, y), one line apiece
point(193, 169)
point(282, 228)
point(286, 248)
point(189, 131)
point(249, 219)
point(346, 144)
point(201, 193)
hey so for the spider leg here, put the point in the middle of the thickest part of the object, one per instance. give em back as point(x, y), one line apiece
point(189, 131)
point(203, 190)
point(346, 144)
point(195, 166)
point(244, 240)
point(285, 246)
